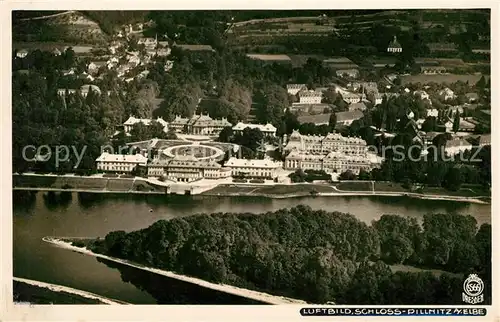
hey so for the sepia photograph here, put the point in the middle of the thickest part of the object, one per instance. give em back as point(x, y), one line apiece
point(252, 157)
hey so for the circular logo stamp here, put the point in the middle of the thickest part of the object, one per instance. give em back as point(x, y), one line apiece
point(473, 285)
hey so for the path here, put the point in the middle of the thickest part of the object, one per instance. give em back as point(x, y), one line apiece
point(60, 288)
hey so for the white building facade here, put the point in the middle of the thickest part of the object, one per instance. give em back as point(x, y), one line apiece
point(268, 130)
point(253, 168)
point(120, 163)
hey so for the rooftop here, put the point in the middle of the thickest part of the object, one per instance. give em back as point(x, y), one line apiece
point(269, 57)
point(349, 115)
point(136, 158)
point(251, 163)
point(316, 119)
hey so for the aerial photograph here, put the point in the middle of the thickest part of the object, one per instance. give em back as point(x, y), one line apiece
point(237, 157)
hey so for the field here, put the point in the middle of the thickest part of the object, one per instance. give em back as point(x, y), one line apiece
point(441, 79)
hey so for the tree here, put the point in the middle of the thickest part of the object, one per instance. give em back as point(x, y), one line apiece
point(453, 179)
point(226, 134)
point(429, 124)
point(456, 122)
point(347, 175)
point(332, 122)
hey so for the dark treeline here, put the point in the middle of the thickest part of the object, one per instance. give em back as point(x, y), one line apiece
point(316, 255)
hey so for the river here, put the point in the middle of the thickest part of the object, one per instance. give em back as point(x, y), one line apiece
point(93, 215)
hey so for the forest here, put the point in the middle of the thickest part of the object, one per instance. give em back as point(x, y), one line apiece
point(317, 256)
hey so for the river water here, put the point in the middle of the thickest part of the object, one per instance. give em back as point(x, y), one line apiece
point(93, 215)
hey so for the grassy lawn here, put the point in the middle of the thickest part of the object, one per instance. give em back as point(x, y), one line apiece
point(146, 186)
point(389, 187)
point(354, 186)
point(305, 189)
point(81, 183)
point(119, 184)
point(33, 181)
point(463, 192)
point(229, 189)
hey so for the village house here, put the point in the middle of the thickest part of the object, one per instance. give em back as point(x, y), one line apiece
point(377, 99)
point(310, 108)
point(346, 118)
point(317, 119)
point(448, 126)
point(310, 97)
point(456, 146)
point(484, 140)
point(472, 97)
point(484, 51)
point(63, 91)
point(120, 163)
point(432, 70)
point(351, 97)
point(447, 94)
point(131, 121)
point(394, 46)
point(293, 89)
point(466, 126)
point(349, 73)
point(56, 52)
point(442, 47)
point(134, 60)
point(268, 130)
point(94, 67)
point(85, 89)
point(195, 47)
point(254, 168)
point(360, 106)
point(368, 87)
point(383, 62)
point(421, 94)
point(432, 112)
point(148, 42)
point(339, 63)
point(21, 53)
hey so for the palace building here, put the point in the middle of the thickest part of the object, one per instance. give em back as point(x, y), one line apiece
point(254, 168)
point(325, 144)
point(186, 169)
point(268, 129)
point(333, 162)
point(199, 125)
point(131, 121)
point(120, 163)
point(331, 153)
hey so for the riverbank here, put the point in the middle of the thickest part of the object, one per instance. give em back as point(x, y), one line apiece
point(138, 185)
point(36, 292)
point(254, 295)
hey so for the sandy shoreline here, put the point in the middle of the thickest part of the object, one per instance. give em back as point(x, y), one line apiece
point(60, 288)
point(254, 295)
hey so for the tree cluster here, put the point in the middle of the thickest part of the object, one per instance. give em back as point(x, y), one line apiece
point(318, 256)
